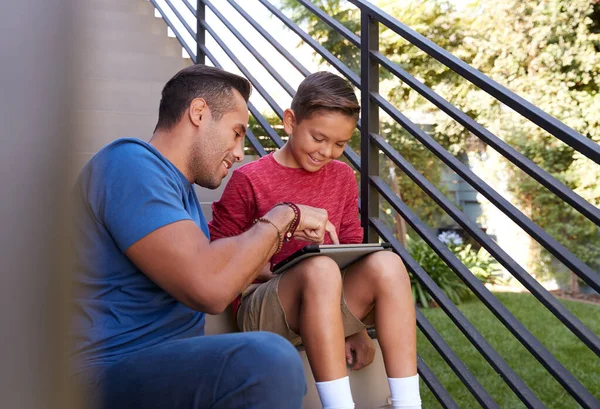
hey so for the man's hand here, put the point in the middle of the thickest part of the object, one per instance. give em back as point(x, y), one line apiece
point(314, 224)
point(364, 351)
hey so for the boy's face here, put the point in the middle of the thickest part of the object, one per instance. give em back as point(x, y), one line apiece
point(318, 139)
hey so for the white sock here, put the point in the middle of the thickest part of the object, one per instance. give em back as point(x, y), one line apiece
point(405, 392)
point(336, 394)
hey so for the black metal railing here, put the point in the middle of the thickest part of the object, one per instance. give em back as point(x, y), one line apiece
point(373, 186)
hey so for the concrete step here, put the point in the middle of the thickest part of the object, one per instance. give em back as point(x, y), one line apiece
point(102, 21)
point(138, 6)
point(102, 94)
point(142, 43)
point(95, 129)
point(132, 65)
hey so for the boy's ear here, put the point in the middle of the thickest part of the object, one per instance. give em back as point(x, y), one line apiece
point(289, 121)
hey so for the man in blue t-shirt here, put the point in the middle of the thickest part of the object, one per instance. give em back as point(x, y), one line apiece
point(146, 273)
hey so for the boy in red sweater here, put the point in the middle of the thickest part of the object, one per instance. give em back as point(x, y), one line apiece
point(313, 302)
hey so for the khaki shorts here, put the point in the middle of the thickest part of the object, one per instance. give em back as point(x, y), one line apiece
point(261, 310)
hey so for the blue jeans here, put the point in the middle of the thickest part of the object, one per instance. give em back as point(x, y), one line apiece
point(242, 370)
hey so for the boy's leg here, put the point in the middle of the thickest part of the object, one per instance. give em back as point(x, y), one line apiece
point(310, 295)
point(306, 300)
point(257, 370)
point(380, 281)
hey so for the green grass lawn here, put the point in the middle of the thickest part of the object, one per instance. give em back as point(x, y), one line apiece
point(565, 346)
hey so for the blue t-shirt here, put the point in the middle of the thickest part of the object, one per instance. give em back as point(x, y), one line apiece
point(126, 191)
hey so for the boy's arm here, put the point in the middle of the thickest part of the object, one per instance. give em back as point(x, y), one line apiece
point(351, 231)
point(233, 213)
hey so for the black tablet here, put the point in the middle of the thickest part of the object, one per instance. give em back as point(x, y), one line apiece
point(342, 254)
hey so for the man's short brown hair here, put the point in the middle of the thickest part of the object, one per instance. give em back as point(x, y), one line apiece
point(200, 81)
point(324, 91)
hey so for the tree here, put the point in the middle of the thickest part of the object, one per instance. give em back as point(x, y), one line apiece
point(419, 13)
point(547, 51)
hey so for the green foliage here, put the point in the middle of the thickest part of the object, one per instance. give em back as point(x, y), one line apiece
point(558, 339)
point(547, 51)
point(480, 263)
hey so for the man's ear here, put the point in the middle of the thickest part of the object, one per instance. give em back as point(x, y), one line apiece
point(197, 109)
point(289, 121)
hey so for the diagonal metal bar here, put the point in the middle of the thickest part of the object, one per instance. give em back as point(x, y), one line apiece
point(262, 121)
point(533, 345)
point(190, 7)
point(535, 231)
point(496, 361)
point(286, 54)
point(434, 385)
point(256, 145)
point(175, 31)
point(533, 170)
point(280, 80)
point(588, 337)
point(457, 366)
point(555, 127)
point(259, 118)
point(333, 23)
point(333, 60)
point(181, 18)
point(245, 71)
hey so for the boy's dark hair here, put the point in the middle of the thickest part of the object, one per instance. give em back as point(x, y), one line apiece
point(324, 91)
point(199, 81)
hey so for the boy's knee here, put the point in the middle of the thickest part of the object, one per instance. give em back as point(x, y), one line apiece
point(387, 267)
point(320, 273)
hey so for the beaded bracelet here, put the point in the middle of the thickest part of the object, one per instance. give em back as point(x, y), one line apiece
point(295, 222)
point(280, 241)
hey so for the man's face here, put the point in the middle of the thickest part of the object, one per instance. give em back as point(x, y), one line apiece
point(219, 144)
point(320, 138)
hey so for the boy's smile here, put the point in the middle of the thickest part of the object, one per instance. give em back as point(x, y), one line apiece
point(316, 140)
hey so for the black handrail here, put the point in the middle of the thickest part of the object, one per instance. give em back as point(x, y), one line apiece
point(440, 393)
point(462, 323)
point(285, 53)
point(533, 170)
point(550, 243)
point(178, 35)
point(259, 118)
point(330, 58)
point(284, 84)
point(372, 144)
point(568, 135)
point(549, 301)
point(333, 23)
point(520, 332)
point(458, 367)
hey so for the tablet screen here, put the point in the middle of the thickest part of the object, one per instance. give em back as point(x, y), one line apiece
point(342, 254)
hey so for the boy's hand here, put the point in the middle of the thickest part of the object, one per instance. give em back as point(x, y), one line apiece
point(364, 351)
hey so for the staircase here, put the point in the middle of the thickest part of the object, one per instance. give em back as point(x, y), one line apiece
point(128, 59)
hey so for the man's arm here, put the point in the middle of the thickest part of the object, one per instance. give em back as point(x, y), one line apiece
point(208, 276)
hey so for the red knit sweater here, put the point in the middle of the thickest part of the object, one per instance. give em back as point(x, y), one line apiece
point(256, 187)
